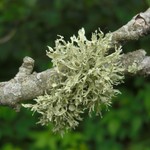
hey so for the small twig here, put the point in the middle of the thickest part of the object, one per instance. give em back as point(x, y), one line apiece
point(7, 37)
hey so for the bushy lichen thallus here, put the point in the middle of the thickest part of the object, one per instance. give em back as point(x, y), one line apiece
point(87, 72)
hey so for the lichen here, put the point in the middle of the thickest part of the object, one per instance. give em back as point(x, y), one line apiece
point(87, 73)
point(134, 68)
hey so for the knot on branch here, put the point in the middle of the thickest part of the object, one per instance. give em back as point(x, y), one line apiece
point(26, 67)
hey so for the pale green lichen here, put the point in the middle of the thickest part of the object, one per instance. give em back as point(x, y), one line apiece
point(87, 73)
point(134, 68)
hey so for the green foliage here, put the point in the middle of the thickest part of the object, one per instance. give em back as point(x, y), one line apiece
point(125, 126)
point(87, 73)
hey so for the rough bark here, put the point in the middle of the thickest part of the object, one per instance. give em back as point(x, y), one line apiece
point(137, 27)
point(27, 85)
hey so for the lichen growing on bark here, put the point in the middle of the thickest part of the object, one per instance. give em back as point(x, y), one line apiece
point(87, 73)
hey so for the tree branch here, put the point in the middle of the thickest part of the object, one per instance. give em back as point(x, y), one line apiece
point(137, 27)
point(27, 85)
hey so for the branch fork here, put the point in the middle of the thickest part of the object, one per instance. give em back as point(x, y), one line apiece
point(27, 85)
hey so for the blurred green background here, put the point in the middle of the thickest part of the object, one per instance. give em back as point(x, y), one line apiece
point(26, 28)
